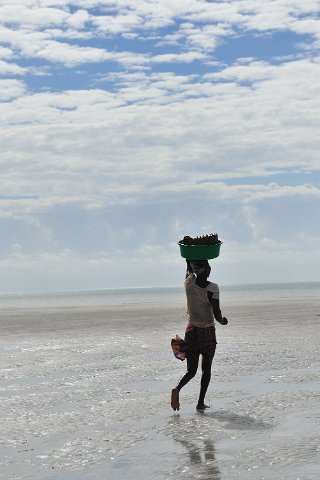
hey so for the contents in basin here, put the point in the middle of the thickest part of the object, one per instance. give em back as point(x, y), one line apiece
point(211, 239)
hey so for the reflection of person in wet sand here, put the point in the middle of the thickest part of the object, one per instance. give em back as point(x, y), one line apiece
point(200, 337)
point(204, 456)
point(201, 452)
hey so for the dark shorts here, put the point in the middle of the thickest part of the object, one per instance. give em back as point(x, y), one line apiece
point(200, 340)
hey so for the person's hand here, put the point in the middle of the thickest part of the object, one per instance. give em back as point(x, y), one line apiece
point(224, 321)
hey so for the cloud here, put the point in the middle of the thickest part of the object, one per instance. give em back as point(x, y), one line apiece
point(7, 68)
point(5, 52)
point(31, 15)
point(71, 55)
point(207, 37)
point(178, 57)
point(281, 16)
point(35, 30)
point(173, 126)
point(79, 19)
point(10, 89)
point(138, 240)
point(42, 45)
point(252, 71)
point(110, 24)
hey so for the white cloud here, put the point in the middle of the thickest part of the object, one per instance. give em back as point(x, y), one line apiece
point(24, 42)
point(254, 250)
point(207, 37)
point(173, 127)
point(28, 16)
point(5, 52)
point(16, 249)
point(307, 26)
point(69, 54)
point(252, 71)
point(79, 19)
point(42, 45)
point(281, 16)
point(10, 89)
point(110, 24)
point(35, 30)
point(7, 68)
point(178, 57)
point(216, 19)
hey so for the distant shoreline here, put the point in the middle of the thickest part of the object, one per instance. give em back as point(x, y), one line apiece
point(161, 287)
point(156, 295)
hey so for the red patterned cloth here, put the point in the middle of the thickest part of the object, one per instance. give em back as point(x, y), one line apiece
point(197, 339)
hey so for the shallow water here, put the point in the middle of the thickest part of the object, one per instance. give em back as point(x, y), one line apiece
point(85, 394)
point(139, 295)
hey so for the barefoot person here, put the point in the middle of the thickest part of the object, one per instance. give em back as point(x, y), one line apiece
point(200, 337)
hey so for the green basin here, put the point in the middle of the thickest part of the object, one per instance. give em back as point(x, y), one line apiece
point(199, 252)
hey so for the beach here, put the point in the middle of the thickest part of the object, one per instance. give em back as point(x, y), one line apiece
point(85, 394)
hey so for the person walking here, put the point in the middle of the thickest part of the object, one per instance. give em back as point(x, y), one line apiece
point(203, 308)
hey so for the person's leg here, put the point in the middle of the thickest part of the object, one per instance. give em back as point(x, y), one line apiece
point(192, 367)
point(205, 378)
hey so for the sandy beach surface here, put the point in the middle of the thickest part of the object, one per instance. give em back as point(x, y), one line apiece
point(85, 394)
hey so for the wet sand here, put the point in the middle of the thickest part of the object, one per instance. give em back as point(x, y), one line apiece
point(85, 394)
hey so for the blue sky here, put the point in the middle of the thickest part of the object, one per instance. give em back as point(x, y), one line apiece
point(127, 124)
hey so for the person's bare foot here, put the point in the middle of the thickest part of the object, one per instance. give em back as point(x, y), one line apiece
point(202, 406)
point(175, 399)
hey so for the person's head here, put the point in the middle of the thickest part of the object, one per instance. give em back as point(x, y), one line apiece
point(201, 268)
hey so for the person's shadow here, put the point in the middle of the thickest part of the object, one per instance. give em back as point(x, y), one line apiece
point(235, 421)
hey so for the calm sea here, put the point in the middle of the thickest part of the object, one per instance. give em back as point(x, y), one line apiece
point(155, 294)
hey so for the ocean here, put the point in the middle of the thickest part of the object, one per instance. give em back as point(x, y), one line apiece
point(123, 296)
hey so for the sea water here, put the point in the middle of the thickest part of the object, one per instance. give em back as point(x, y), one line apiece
point(123, 296)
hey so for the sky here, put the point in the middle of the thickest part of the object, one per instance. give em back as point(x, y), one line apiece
point(127, 124)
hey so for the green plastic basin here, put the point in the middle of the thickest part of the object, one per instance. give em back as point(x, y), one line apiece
point(200, 252)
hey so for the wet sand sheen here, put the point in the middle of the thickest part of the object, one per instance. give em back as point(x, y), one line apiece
point(85, 393)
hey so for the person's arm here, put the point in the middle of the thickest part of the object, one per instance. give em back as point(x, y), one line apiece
point(215, 303)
